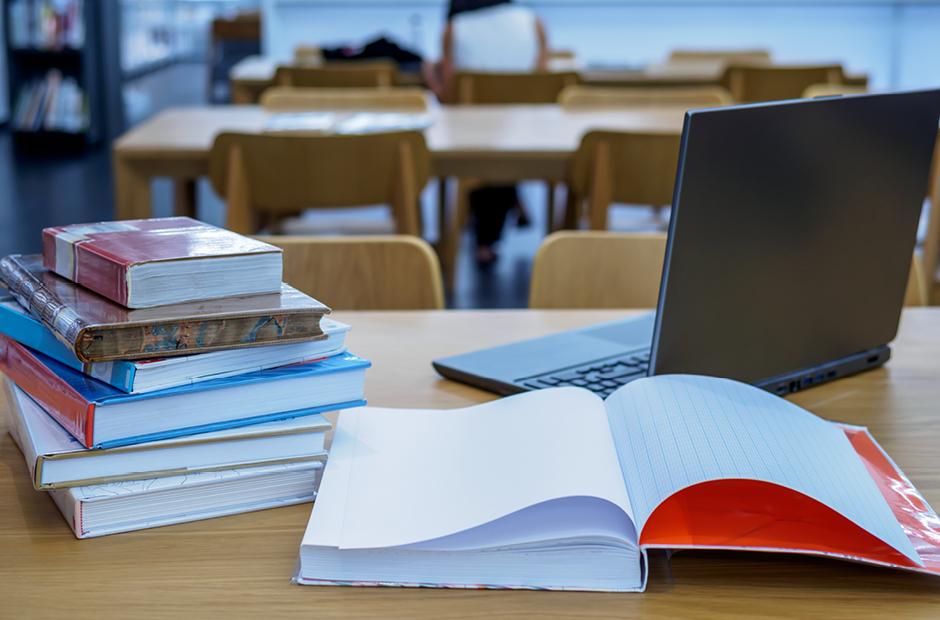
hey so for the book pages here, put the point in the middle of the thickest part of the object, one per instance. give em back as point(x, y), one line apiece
point(674, 431)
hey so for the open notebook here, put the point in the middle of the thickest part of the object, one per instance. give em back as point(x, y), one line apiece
point(558, 489)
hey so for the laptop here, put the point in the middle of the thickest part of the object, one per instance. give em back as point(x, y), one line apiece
point(793, 225)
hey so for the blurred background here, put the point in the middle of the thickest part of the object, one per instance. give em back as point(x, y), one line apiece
point(75, 75)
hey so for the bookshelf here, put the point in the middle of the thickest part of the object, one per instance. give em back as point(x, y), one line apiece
point(57, 59)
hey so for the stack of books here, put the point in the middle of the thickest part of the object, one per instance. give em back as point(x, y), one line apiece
point(159, 371)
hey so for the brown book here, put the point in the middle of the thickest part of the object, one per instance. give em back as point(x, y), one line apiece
point(99, 330)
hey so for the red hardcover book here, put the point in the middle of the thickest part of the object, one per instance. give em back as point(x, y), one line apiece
point(161, 261)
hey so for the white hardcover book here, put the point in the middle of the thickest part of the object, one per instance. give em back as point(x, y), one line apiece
point(56, 459)
point(558, 489)
point(130, 505)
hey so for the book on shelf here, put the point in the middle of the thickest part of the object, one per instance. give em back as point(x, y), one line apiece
point(98, 330)
point(100, 416)
point(56, 459)
point(141, 376)
point(99, 510)
point(53, 103)
point(46, 24)
point(161, 261)
point(557, 489)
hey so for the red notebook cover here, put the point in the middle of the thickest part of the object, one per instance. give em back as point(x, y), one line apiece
point(99, 256)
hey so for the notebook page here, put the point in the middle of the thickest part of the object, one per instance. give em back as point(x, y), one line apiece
point(673, 431)
point(397, 477)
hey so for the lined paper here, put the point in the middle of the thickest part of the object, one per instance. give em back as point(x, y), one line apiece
point(673, 431)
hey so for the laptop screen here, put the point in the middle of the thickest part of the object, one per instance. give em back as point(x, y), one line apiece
point(792, 232)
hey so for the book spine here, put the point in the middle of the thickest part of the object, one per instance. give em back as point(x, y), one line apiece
point(63, 403)
point(32, 295)
point(20, 433)
point(26, 330)
point(68, 254)
point(71, 509)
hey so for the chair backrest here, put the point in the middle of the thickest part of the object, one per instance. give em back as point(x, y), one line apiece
point(831, 90)
point(627, 167)
point(580, 97)
point(309, 55)
point(599, 269)
point(388, 272)
point(748, 84)
point(351, 74)
point(242, 27)
point(588, 269)
point(285, 173)
point(286, 98)
point(508, 88)
point(743, 56)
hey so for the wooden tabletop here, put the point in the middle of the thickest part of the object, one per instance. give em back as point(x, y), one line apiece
point(498, 143)
point(454, 131)
point(261, 69)
point(240, 566)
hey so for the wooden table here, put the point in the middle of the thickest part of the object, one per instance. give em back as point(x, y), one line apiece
point(240, 566)
point(489, 143)
point(253, 75)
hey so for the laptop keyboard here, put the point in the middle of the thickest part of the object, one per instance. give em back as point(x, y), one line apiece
point(601, 377)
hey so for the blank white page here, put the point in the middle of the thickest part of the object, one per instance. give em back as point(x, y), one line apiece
point(673, 431)
point(400, 476)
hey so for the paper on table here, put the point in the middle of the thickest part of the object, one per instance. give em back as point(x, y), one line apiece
point(410, 476)
point(675, 431)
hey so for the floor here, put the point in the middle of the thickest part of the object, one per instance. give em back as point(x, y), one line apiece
point(36, 192)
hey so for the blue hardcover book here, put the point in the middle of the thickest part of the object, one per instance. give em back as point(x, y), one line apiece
point(101, 416)
point(141, 376)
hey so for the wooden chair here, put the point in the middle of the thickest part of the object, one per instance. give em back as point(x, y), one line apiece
point(855, 79)
point(264, 177)
point(581, 97)
point(389, 272)
point(620, 167)
point(289, 99)
point(509, 88)
point(916, 293)
point(309, 55)
point(748, 84)
point(587, 269)
point(930, 252)
point(230, 41)
point(743, 56)
point(351, 74)
point(831, 90)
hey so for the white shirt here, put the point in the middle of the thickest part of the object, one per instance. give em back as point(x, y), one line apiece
point(500, 38)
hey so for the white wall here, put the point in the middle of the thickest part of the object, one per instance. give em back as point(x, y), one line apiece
point(896, 42)
point(4, 95)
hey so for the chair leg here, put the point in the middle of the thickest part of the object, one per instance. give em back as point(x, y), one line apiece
point(550, 187)
point(453, 222)
point(572, 217)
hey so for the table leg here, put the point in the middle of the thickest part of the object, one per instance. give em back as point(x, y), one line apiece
point(184, 197)
point(132, 198)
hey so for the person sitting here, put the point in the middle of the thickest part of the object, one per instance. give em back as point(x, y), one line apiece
point(489, 36)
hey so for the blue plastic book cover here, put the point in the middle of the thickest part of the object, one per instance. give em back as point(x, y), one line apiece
point(100, 393)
